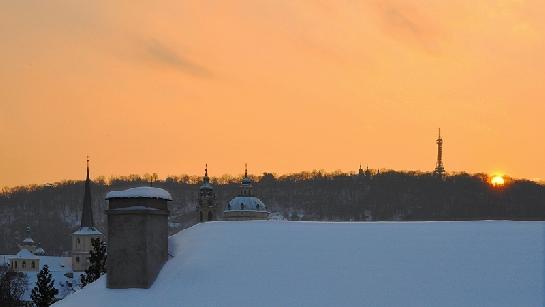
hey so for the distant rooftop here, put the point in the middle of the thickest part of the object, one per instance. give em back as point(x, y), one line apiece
point(25, 254)
point(140, 192)
point(87, 231)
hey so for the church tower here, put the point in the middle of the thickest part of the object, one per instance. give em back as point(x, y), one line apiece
point(28, 243)
point(207, 199)
point(439, 168)
point(246, 185)
point(81, 239)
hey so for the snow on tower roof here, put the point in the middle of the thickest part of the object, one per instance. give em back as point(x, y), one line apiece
point(140, 192)
point(28, 240)
point(87, 231)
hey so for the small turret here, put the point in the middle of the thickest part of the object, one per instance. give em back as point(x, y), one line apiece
point(207, 199)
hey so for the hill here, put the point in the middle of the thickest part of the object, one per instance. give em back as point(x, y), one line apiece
point(308, 196)
point(342, 264)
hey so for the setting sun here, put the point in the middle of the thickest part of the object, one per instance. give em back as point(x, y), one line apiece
point(497, 180)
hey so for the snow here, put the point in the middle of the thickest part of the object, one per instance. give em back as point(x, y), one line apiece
point(58, 266)
point(277, 263)
point(250, 204)
point(28, 240)
point(87, 231)
point(206, 185)
point(136, 208)
point(140, 192)
point(24, 254)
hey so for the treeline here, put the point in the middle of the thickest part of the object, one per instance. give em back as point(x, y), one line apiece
point(53, 211)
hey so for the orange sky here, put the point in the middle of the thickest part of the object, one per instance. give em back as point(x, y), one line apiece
point(285, 85)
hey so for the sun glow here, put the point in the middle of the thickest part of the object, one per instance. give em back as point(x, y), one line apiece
point(497, 180)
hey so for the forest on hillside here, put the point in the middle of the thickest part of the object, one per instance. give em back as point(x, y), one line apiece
point(53, 210)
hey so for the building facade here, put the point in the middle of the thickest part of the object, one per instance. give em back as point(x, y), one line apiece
point(25, 261)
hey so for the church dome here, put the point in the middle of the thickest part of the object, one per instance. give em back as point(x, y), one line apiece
point(245, 203)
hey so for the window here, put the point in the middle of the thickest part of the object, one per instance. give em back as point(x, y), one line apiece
point(24, 264)
point(241, 206)
point(33, 265)
point(15, 264)
point(77, 259)
point(78, 241)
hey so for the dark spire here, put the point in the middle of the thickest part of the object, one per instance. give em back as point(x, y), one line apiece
point(87, 212)
point(245, 170)
point(205, 178)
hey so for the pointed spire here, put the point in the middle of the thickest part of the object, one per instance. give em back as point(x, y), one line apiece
point(28, 231)
point(245, 170)
point(87, 212)
point(439, 132)
point(205, 179)
point(87, 168)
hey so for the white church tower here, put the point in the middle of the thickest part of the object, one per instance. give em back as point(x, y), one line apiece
point(81, 238)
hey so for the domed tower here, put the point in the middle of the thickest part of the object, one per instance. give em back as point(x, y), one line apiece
point(28, 243)
point(207, 199)
point(245, 206)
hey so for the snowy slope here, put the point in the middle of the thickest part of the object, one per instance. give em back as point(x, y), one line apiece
point(343, 264)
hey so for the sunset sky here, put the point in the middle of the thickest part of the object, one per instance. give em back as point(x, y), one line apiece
point(284, 85)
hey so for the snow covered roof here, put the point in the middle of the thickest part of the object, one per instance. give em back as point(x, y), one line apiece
point(136, 208)
point(246, 203)
point(265, 263)
point(140, 192)
point(206, 185)
point(28, 240)
point(25, 254)
point(87, 231)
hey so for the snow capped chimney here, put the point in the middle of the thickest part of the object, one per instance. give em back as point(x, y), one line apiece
point(137, 236)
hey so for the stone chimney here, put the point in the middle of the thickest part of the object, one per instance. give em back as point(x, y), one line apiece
point(137, 236)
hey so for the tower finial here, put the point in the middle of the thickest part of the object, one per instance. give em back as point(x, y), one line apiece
point(87, 167)
point(206, 170)
point(245, 170)
point(439, 132)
